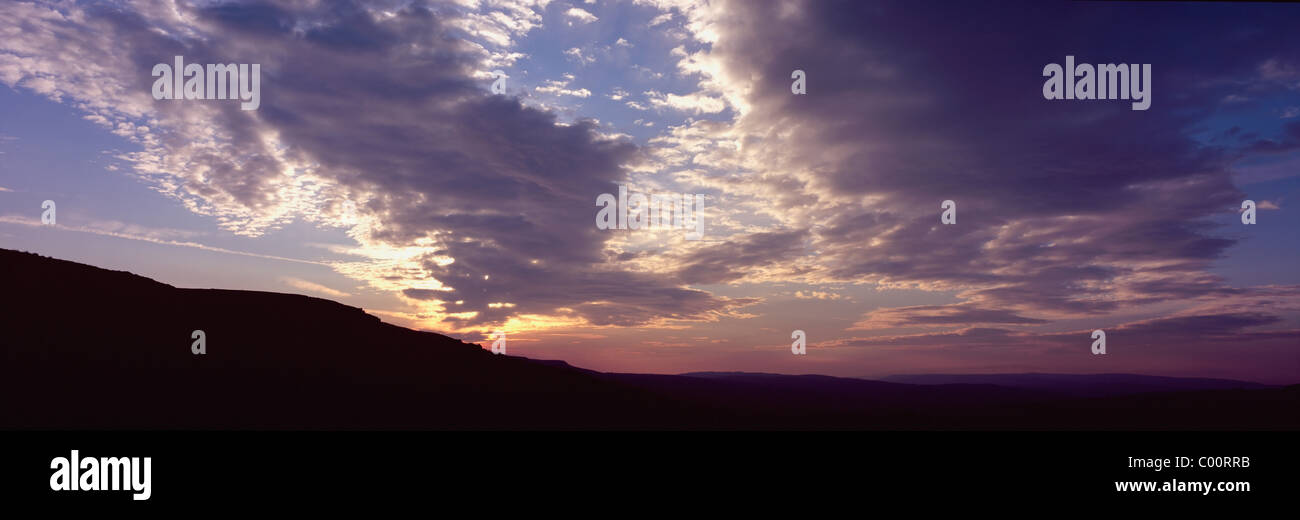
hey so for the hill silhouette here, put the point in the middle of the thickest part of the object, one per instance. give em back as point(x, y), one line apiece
point(1082, 385)
point(89, 348)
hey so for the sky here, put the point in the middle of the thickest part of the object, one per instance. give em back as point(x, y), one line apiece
point(388, 167)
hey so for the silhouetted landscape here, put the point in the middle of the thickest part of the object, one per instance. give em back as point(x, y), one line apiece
point(89, 348)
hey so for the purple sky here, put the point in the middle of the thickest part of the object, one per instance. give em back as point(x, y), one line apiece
point(475, 212)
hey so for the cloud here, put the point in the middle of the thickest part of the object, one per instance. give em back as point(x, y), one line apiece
point(732, 260)
point(489, 24)
point(1289, 140)
point(560, 88)
point(578, 55)
point(142, 234)
point(1280, 70)
point(474, 196)
point(313, 287)
point(1048, 228)
point(579, 15)
point(1065, 210)
point(817, 295)
point(1171, 335)
point(693, 102)
point(930, 315)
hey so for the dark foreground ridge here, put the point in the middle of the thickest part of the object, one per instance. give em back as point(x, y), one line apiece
point(89, 348)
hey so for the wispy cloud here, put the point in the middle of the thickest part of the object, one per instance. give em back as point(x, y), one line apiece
point(145, 235)
point(313, 287)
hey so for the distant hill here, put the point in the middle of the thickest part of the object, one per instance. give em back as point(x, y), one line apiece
point(1082, 385)
point(89, 348)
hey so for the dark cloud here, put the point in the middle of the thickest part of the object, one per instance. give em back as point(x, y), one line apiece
point(421, 294)
point(1205, 326)
point(1186, 334)
point(1290, 140)
point(1063, 206)
point(732, 260)
point(383, 100)
point(929, 315)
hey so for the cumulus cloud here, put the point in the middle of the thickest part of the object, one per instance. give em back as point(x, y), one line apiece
point(576, 54)
point(561, 88)
point(580, 15)
point(694, 102)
